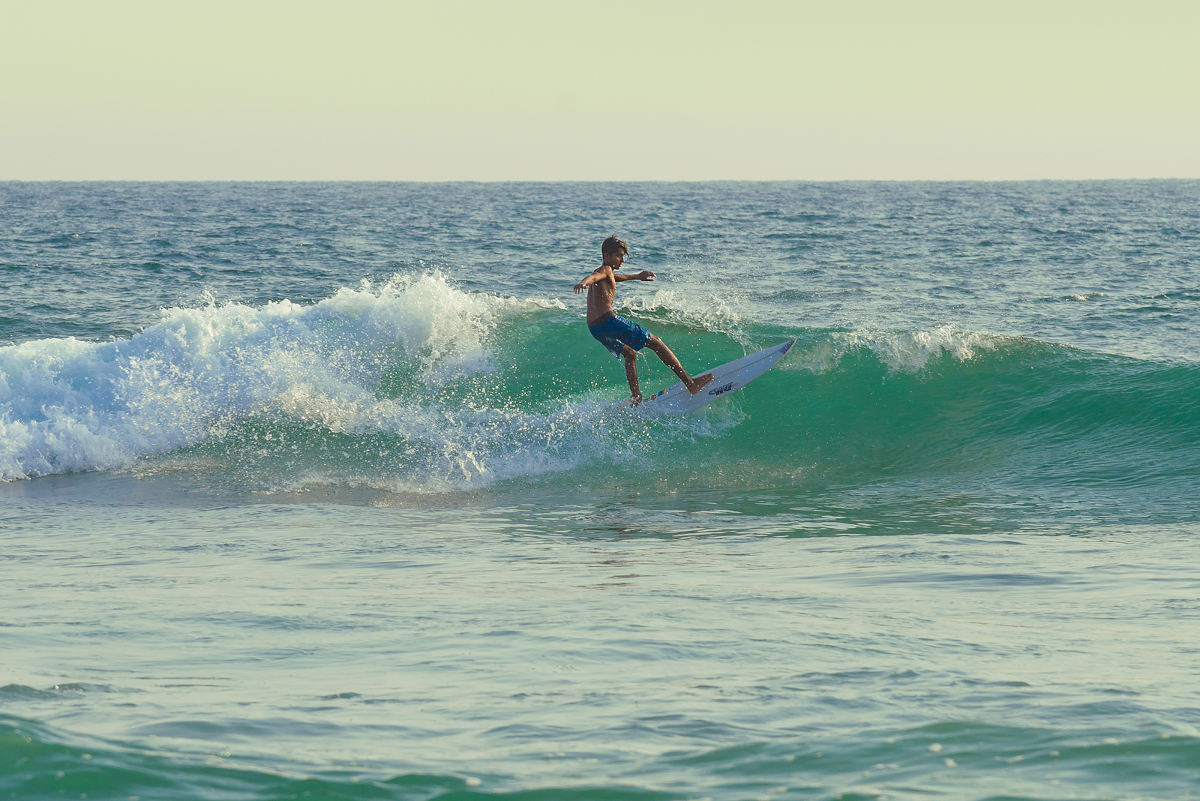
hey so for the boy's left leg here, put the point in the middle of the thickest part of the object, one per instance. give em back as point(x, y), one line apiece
point(670, 360)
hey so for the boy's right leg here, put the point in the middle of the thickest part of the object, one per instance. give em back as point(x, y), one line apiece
point(631, 374)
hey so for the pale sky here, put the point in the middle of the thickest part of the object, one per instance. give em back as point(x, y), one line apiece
point(598, 90)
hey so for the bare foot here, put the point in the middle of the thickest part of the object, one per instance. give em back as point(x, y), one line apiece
point(699, 383)
point(635, 400)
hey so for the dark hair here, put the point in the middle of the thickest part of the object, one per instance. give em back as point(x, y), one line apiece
point(614, 245)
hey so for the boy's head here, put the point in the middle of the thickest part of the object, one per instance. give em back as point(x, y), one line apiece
point(614, 247)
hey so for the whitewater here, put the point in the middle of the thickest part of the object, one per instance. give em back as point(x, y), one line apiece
point(324, 490)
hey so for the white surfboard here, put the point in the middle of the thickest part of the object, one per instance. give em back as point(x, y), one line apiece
point(727, 378)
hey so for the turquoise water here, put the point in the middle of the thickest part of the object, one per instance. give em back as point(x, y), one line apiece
point(322, 491)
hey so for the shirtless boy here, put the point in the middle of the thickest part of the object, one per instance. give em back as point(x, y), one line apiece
point(622, 337)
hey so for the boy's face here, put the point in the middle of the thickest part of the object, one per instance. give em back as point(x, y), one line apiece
point(615, 260)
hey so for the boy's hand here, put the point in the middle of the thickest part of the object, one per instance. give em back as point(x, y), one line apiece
point(646, 275)
point(579, 288)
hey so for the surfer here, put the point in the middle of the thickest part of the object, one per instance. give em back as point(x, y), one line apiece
point(622, 337)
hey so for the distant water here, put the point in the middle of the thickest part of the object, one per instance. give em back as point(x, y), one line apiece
point(321, 491)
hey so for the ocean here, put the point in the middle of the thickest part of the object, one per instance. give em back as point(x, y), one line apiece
point(323, 491)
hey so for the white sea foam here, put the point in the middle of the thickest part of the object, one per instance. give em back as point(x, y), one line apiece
point(68, 405)
point(902, 352)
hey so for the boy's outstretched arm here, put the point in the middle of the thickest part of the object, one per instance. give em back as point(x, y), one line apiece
point(595, 276)
point(644, 275)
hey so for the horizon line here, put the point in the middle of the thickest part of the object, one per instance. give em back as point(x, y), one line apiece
point(587, 180)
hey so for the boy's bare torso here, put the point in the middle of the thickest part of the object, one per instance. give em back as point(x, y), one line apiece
point(600, 297)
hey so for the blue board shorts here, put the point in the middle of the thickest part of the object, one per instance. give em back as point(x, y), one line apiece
point(617, 332)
